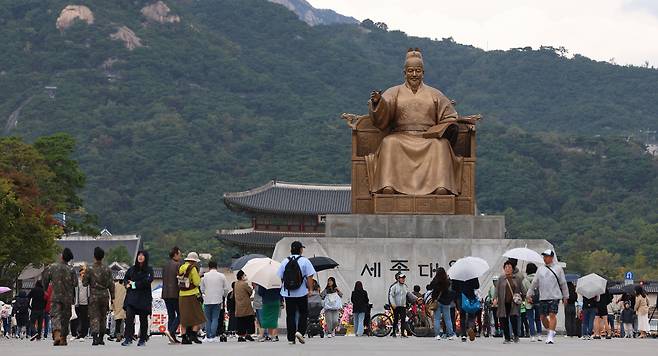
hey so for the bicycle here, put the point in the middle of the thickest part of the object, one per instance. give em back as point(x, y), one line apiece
point(381, 324)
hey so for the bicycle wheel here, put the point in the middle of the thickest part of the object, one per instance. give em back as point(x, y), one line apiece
point(381, 325)
point(413, 321)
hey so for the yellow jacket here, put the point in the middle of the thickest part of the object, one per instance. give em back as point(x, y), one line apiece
point(195, 280)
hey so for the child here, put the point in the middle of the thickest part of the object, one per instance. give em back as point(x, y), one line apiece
point(627, 320)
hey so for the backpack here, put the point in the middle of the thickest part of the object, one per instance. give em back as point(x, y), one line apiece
point(292, 275)
point(470, 306)
point(184, 282)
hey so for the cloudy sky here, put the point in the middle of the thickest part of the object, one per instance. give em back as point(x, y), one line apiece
point(626, 30)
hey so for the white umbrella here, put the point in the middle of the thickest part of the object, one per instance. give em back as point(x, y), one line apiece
point(525, 254)
point(468, 268)
point(263, 271)
point(591, 285)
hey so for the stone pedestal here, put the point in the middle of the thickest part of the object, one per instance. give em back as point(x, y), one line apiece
point(372, 248)
point(416, 226)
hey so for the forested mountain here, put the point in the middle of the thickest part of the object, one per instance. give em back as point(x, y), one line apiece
point(175, 102)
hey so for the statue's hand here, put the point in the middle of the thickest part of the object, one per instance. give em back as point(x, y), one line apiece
point(375, 97)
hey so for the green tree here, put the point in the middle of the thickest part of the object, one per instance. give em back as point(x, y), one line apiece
point(118, 254)
point(30, 193)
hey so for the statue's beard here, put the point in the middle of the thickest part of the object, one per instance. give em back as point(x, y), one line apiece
point(414, 84)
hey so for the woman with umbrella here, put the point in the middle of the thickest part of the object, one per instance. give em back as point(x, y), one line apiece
point(271, 309)
point(464, 275)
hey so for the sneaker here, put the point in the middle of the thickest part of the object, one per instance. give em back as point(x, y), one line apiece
point(463, 338)
point(437, 337)
point(275, 339)
point(126, 342)
point(300, 338)
point(329, 336)
point(261, 339)
point(291, 342)
point(249, 338)
point(516, 339)
point(393, 335)
point(533, 339)
point(141, 343)
point(207, 340)
point(241, 339)
point(549, 341)
point(539, 338)
point(507, 342)
point(451, 337)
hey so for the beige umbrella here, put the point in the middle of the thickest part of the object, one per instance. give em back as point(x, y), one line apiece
point(263, 271)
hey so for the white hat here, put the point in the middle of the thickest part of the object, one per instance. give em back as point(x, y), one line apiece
point(548, 252)
point(192, 256)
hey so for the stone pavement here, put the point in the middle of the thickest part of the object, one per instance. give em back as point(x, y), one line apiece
point(344, 346)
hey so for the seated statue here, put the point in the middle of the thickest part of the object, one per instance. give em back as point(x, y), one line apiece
point(416, 157)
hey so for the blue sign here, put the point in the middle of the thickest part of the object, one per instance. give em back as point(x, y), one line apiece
point(629, 275)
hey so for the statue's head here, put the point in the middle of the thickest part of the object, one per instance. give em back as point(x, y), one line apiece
point(413, 68)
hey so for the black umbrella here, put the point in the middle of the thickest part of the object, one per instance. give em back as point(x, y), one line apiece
point(323, 263)
point(240, 262)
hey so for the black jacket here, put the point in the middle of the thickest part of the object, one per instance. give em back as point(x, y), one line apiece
point(466, 287)
point(139, 298)
point(589, 303)
point(360, 301)
point(627, 316)
point(37, 299)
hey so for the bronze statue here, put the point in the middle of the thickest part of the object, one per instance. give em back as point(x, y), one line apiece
point(416, 157)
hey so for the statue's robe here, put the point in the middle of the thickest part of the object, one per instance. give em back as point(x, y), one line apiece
point(416, 157)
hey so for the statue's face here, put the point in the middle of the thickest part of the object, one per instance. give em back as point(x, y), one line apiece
point(414, 75)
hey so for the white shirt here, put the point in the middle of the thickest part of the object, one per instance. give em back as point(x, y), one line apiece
point(214, 287)
point(550, 287)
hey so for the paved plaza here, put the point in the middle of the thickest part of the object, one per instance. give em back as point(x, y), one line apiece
point(345, 346)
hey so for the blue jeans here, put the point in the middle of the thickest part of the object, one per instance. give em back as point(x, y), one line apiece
point(173, 314)
point(443, 310)
point(588, 321)
point(212, 319)
point(533, 321)
point(46, 324)
point(359, 318)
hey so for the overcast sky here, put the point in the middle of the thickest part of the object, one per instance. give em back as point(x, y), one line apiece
point(626, 30)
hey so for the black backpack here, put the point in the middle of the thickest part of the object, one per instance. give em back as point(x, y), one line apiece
point(292, 274)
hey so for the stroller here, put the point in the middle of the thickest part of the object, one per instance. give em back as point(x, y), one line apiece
point(315, 306)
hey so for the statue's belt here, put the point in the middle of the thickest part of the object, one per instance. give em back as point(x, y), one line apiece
point(402, 128)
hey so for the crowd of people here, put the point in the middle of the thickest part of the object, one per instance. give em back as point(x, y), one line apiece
point(517, 305)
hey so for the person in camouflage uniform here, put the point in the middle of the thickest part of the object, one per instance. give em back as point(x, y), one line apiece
point(101, 285)
point(64, 281)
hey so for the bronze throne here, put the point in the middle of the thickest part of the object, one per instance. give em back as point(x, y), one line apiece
point(366, 139)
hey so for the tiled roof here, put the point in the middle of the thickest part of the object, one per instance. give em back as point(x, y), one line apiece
point(649, 287)
point(83, 246)
point(254, 238)
point(293, 198)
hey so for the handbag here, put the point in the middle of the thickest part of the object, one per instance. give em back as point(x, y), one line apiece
point(516, 297)
point(470, 306)
point(332, 301)
point(433, 305)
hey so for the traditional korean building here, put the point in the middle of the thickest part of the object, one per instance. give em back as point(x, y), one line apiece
point(281, 209)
